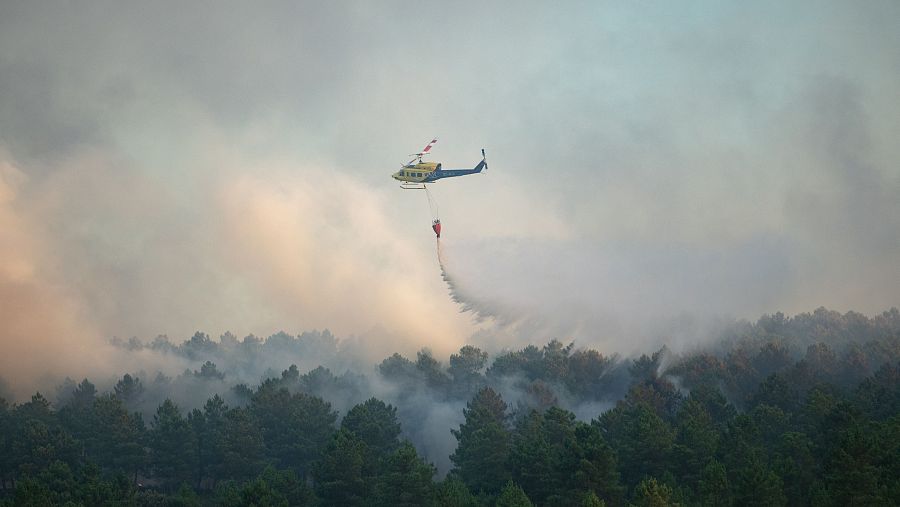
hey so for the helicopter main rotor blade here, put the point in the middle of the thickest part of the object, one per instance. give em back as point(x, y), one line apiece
point(428, 146)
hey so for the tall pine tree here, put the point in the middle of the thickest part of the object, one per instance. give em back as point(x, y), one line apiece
point(481, 455)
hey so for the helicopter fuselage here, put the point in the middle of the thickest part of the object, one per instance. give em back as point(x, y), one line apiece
point(417, 173)
point(427, 172)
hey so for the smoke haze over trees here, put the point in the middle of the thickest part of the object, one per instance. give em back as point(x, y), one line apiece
point(789, 408)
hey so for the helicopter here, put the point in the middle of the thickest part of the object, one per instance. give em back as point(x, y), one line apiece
point(416, 173)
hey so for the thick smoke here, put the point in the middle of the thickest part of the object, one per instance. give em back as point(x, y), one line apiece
point(824, 233)
point(620, 298)
point(166, 173)
point(261, 254)
point(44, 328)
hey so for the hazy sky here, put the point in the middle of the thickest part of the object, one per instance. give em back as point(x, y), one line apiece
point(169, 167)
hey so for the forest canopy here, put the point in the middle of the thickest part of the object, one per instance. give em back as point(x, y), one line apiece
point(801, 410)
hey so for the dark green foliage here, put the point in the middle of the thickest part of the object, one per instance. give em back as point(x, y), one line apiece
point(430, 370)
point(83, 395)
point(715, 404)
point(526, 362)
point(129, 390)
point(321, 382)
point(243, 450)
point(59, 485)
point(852, 474)
point(453, 492)
point(185, 497)
point(588, 374)
point(776, 392)
point(513, 496)
point(592, 465)
point(745, 458)
point(118, 437)
point(243, 392)
point(481, 456)
point(398, 369)
point(754, 483)
point(558, 460)
point(258, 492)
point(209, 430)
point(534, 458)
point(198, 347)
point(340, 473)
point(551, 363)
point(271, 487)
point(7, 458)
point(794, 461)
point(465, 370)
point(787, 411)
point(772, 357)
point(879, 395)
point(702, 370)
point(295, 427)
point(651, 493)
point(209, 372)
point(404, 479)
point(643, 441)
point(36, 445)
point(591, 500)
point(375, 424)
point(696, 441)
point(38, 409)
point(172, 443)
point(646, 368)
point(712, 488)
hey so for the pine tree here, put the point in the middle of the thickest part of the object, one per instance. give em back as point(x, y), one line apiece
point(243, 449)
point(129, 390)
point(651, 493)
point(454, 493)
point(375, 423)
point(171, 444)
point(405, 479)
point(713, 485)
point(513, 496)
point(483, 443)
point(118, 437)
point(295, 427)
point(339, 473)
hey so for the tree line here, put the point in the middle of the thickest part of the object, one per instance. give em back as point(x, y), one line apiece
point(785, 413)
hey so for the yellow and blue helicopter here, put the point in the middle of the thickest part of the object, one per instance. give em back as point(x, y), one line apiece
point(416, 173)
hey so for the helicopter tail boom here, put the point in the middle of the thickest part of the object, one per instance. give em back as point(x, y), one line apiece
point(450, 173)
